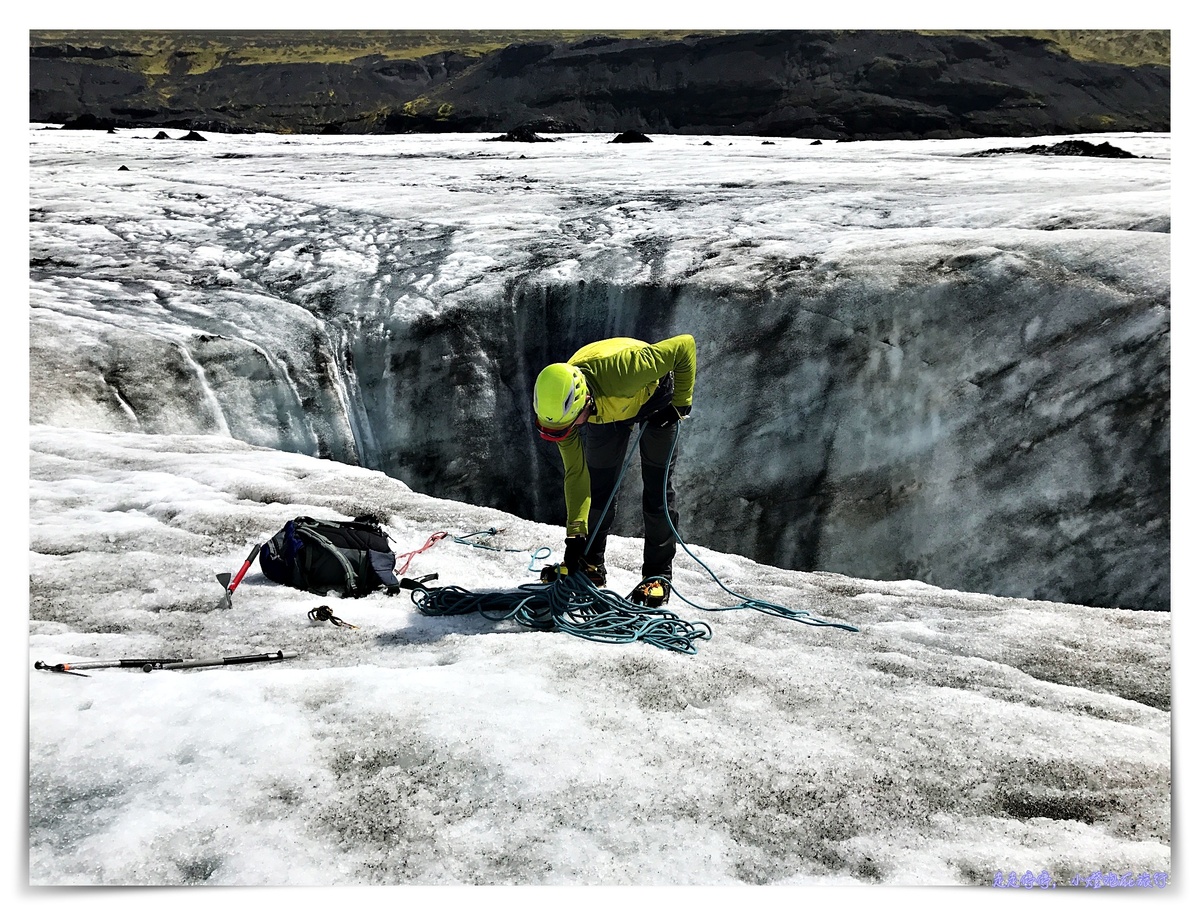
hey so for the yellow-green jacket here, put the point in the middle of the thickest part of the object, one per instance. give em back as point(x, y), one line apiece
point(622, 375)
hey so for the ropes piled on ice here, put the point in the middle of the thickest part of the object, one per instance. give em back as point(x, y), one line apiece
point(573, 604)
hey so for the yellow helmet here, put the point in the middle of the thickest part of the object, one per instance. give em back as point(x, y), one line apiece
point(559, 396)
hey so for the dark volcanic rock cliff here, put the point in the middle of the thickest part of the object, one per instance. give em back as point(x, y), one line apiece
point(832, 85)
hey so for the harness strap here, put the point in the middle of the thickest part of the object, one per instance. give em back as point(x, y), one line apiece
point(351, 575)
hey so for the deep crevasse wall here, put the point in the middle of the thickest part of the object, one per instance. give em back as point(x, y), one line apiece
point(985, 417)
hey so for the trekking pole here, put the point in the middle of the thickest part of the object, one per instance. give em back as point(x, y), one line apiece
point(219, 661)
point(149, 664)
point(74, 667)
point(223, 577)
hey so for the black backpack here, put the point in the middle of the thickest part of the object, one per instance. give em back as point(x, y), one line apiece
point(351, 557)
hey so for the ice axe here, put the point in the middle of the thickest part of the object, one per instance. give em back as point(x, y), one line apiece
point(229, 586)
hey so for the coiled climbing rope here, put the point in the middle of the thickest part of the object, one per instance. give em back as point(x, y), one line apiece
point(571, 604)
point(575, 605)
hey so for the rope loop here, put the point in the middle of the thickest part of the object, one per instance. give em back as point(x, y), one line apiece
point(408, 557)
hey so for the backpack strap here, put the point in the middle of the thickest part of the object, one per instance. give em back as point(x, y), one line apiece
point(351, 576)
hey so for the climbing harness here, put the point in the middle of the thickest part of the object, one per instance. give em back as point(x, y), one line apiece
point(573, 604)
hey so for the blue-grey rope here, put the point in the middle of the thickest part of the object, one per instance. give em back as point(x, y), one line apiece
point(749, 603)
point(540, 552)
point(575, 605)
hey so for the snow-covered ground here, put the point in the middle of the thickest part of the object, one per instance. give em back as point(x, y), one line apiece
point(253, 211)
point(953, 737)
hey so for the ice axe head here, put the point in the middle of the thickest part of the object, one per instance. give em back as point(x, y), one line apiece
point(228, 585)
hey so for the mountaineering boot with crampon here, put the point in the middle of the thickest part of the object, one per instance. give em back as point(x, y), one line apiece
point(653, 592)
point(598, 574)
point(553, 572)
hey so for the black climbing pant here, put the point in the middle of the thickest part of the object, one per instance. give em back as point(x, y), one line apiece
point(605, 445)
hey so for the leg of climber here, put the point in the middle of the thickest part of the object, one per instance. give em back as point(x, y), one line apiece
point(604, 449)
point(658, 551)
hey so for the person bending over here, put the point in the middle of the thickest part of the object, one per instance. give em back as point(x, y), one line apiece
point(589, 406)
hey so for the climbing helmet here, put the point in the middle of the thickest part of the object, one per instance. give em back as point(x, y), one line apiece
point(559, 396)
